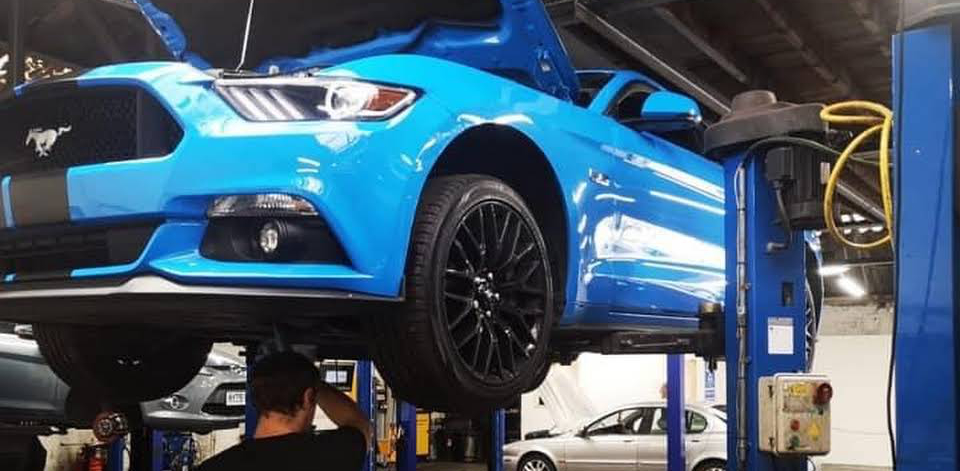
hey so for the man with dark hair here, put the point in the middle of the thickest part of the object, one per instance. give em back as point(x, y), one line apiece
point(286, 389)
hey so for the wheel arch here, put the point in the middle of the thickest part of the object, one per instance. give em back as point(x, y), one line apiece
point(539, 452)
point(704, 460)
point(508, 154)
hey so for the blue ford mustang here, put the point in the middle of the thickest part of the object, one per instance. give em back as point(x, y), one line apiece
point(429, 182)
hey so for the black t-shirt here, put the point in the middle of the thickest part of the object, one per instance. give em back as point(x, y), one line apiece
point(334, 450)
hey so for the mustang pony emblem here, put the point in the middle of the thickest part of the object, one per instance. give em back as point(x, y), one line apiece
point(45, 139)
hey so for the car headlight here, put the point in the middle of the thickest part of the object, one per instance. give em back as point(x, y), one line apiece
point(314, 99)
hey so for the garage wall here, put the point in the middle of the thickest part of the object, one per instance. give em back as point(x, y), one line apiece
point(854, 351)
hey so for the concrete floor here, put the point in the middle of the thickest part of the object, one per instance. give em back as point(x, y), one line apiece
point(441, 466)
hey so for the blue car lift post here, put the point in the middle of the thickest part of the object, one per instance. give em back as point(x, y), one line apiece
point(925, 98)
point(407, 446)
point(765, 290)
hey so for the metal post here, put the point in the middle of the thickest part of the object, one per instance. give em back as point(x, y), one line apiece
point(926, 208)
point(367, 400)
point(116, 455)
point(250, 413)
point(407, 443)
point(498, 437)
point(156, 449)
point(765, 293)
point(18, 58)
point(676, 414)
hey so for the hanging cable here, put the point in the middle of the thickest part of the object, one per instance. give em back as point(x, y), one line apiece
point(880, 120)
point(246, 37)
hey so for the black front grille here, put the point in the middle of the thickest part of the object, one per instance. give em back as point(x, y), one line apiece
point(217, 402)
point(61, 126)
point(53, 252)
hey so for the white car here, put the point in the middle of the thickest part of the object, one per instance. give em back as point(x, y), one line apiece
point(632, 437)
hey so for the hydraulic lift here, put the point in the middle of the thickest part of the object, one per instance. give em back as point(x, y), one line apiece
point(765, 299)
point(926, 76)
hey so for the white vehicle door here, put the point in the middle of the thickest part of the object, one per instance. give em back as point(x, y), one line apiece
point(608, 444)
point(696, 437)
point(652, 439)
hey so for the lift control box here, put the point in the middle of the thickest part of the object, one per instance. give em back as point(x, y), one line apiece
point(795, 414)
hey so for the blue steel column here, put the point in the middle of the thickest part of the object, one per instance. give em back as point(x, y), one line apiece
point(769, 275)
point(250, 413)
point(498, 437)
point(115, 455)
point(156, 449)
point(407, 445)
point(926, 252)
point(367, 400)
point(676, 410)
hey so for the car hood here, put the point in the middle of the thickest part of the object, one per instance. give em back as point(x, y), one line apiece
point(511, 38)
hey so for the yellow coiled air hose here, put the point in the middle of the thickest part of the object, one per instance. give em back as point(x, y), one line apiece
point(880, 120)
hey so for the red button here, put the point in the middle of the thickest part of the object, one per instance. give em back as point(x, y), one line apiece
point(794, 425)
point(824, 394)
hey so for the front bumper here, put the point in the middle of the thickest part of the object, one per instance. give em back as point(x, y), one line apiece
point(124, 300)
point(363, 178)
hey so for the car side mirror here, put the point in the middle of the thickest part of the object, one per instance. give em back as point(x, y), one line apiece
point(24, 331)
point(667, 111)
point(583, 433)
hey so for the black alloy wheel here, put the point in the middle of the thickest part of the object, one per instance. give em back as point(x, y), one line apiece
point(475, 327)
point(494, 290)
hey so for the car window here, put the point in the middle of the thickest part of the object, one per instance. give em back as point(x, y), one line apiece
point(695, 422)
point(6, 327)
point(624, 422)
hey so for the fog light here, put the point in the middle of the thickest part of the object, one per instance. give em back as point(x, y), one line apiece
point(176, 402)
point(269, 239)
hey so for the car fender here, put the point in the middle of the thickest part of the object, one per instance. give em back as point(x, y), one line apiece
point(571, 137)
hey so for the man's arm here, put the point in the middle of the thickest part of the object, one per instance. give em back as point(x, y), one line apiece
point(342, 410)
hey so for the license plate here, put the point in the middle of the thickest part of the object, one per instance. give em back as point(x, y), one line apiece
point(236, 398)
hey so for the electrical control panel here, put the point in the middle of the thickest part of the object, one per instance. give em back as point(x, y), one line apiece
point(795, 414)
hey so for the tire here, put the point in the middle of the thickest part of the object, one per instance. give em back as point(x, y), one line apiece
point(540, 377)
point(121, 365)
point(811, 328)
point(814, 308)
point(711, 465)
point(535, 462)
point(478, 282)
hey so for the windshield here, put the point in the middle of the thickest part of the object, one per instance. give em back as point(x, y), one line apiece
point(61, 36)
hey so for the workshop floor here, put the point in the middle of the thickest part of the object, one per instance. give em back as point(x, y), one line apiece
point(443, 466)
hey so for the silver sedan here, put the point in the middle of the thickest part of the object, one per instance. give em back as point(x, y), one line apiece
point(629, 438)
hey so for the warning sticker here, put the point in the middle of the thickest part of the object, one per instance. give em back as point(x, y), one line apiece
point(780, 336)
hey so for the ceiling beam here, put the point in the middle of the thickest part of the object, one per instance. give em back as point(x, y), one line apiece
point(561, 12)
point(810, 47)
point(618, 7)
point(680, 78)
point(683, 20)
point(872, 19)
point(128, 4)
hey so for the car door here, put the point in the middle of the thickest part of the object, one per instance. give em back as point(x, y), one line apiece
point(669, 241)
point(652, 438)
point(29, 389)
point(609, 444)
